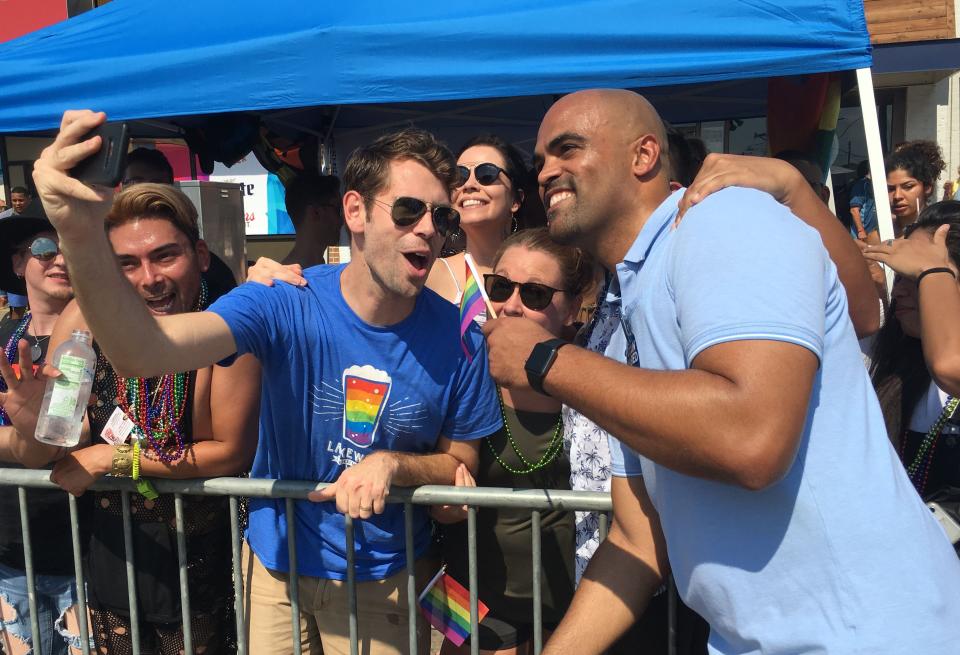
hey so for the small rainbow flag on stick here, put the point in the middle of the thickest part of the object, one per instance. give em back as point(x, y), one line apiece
point(446, 604)
point(472, 302)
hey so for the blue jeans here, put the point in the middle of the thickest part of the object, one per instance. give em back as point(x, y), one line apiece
point(55, 595)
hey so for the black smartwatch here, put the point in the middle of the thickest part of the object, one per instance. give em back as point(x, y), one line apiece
point(540, 360)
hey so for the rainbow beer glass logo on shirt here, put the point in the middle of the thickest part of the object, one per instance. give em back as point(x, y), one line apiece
point(365, 391)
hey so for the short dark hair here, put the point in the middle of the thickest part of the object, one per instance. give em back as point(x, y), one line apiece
point(368, 169)
point(20, 189)
point(311, 190)
point(153, 158)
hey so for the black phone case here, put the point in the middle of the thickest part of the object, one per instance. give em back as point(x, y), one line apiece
point(106, 166)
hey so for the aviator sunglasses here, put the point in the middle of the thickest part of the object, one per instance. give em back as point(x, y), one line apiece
point(485, 173)
point(406, 211)
point(533, 295)
point(44, 249)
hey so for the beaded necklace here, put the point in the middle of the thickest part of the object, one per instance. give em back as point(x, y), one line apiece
point(157, 405)
point(553, 449)
point(919, 468)
point(10, 352)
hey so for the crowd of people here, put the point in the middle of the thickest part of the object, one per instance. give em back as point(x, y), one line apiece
point(715, 388)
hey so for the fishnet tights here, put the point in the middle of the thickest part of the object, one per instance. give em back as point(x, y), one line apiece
point(112, 635)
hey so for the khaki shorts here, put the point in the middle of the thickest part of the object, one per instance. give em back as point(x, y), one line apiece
point(382, 618)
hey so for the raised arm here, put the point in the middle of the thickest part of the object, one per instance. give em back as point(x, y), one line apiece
point(114, 311)
point(939, 299)
point(664, 415)
point(787, 185)
point(622, 576)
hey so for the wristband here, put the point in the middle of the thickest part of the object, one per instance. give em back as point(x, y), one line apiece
point(122, 463)
point(936, 269)
point(144, 487)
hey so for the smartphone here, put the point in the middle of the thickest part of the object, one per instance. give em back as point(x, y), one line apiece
point(106, 166)
point(949, 525)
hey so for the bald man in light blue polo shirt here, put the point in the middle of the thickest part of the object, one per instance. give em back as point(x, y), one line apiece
point(751, 461)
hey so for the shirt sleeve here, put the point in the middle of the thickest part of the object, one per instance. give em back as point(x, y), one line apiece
point(474, 411)
point(624, 460)
point(745, 268)
point(251, 311)
point(858, 194)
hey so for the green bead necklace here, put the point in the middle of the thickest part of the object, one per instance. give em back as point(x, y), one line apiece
point(919, 468)
point(556, 445)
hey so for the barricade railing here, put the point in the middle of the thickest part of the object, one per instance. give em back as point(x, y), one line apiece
point(535, 500)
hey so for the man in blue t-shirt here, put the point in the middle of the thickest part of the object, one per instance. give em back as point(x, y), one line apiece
point(750, 458)
point(365, 384)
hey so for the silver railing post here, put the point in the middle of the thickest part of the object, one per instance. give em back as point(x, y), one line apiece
point(472, 575)
point(604, 525)
point(131, 572)
point(238, 605)
point(182, 564)
point(537, 591)
point(28, 569)
point(78, 574)
point(351, 586)
point(411, 577)
point(294, 585)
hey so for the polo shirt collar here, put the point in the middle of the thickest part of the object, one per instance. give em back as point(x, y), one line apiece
point(657, 224)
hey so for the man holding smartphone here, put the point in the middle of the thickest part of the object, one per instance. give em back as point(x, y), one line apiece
point(364, 385)
point(750, 458)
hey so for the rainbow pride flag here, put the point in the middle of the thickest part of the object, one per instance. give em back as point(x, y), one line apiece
point(471, 306)
point(446, 604)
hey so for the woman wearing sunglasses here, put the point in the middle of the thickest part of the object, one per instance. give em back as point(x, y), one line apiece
point(536, 278)
point(31, 264)
point(493, 202)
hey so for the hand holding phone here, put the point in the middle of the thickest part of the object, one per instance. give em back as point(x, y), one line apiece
point(106, 166)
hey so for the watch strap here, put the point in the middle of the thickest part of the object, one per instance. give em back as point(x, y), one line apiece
point(536, 372)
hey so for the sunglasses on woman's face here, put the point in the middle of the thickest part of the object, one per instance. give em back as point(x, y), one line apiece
point(486, 173)
point(406, 211)
point(44, 249)
point(533, 295)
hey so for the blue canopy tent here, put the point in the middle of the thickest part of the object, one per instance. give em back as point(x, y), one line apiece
point(357, 67)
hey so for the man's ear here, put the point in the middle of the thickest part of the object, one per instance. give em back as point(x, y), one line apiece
point(203, 255)
point(645, 152)
point(354, 212)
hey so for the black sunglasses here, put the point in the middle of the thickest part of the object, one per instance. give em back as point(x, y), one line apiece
point(533, 295)
point(486, 173)
point(44, 249)
point(406, 211)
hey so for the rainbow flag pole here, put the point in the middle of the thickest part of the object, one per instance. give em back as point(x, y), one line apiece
point(446, 604)
point(472, 272)
point(471, 305)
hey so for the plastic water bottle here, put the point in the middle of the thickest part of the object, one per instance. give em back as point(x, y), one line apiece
point(61, 415)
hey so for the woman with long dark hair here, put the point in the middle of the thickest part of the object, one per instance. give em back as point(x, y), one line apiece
point(496, 197)
point(921, 416)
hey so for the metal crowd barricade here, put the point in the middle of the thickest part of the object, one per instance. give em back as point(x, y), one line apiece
point(536, 500)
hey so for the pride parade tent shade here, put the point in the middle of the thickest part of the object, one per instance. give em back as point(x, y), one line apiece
point(178, 58)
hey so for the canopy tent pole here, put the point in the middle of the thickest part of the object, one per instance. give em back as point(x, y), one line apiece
point(878, 175)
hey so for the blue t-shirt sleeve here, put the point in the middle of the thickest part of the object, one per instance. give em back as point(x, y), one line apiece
point(252, 312)
point(858, 194)
point(473, 408)
point(745, 268)
point(624, 461)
